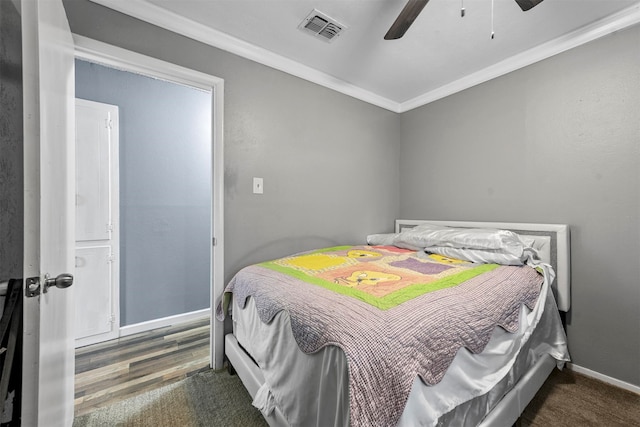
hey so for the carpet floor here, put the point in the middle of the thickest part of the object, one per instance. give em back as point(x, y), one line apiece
point(569, 399)
point(205, 399)
point(218, 399)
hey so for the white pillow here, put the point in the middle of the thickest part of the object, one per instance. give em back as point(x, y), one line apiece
point(427, 235)
point(381, 239)
point(391, 239)
point(479, 245)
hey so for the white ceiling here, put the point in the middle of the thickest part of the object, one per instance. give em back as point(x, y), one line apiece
point(441, 53)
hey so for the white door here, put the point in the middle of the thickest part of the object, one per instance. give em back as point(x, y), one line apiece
point(97, 236)
point(49, 173)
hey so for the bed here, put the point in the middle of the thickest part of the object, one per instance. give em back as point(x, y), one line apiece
point(487, 380)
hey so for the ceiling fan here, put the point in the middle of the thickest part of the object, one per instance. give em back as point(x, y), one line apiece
point(413, 8)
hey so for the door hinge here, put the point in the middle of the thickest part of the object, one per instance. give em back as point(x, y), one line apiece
point(112, 318)
point(108, 123)
point(214, 241)
point(109, 227)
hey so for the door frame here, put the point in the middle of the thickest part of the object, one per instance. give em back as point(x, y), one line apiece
point(119, 58)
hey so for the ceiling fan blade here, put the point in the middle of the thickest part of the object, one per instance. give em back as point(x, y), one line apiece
point(409, 14)
point(527, 4)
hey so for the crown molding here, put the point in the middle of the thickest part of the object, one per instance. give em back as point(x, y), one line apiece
point(616, 22)
point(168, 20)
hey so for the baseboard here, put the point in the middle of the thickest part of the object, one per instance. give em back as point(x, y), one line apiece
point(604, 378)
point(163, 322)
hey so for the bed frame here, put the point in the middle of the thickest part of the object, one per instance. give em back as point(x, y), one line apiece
point(553, 242)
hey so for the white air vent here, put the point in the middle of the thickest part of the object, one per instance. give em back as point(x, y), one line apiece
point(320, 25)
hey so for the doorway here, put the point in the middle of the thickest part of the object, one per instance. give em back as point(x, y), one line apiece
point(98, 54)
point(165, 194)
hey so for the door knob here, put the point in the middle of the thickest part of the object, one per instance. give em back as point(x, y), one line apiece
point(32, 288)
point(61, 281)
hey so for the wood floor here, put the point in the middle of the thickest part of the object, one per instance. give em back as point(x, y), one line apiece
point(114, 370)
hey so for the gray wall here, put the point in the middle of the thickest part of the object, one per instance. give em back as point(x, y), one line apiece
point(554, 142)
point(558, 142)
point(165, 190)
point(329, 162)
point(11, 136)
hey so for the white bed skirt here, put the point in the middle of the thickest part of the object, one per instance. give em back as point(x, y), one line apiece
point(313, 389)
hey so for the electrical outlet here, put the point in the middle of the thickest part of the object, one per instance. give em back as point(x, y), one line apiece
point(257, 186)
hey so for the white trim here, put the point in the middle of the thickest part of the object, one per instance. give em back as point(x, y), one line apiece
point(604, 378)
point(601, 28)
point(171, 21)
point(116, 57)
point(164, 322)
point(163, 18)
point(217, 226)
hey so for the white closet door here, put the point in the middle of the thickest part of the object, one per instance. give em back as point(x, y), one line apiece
point(97, 236)
point(93, 213)
point(93, 272)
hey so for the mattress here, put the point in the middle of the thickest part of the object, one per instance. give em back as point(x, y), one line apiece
point(313, 389)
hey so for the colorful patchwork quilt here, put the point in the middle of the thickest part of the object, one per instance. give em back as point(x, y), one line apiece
point(383, 276)
point(395, 313)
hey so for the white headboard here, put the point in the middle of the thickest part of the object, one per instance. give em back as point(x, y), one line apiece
point(551, 240)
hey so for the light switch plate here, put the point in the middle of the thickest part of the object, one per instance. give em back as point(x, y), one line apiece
point(257, 186)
